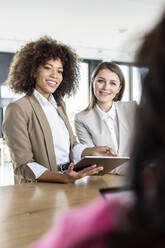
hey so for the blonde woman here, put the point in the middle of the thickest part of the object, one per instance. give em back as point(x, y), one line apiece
point(107, 120)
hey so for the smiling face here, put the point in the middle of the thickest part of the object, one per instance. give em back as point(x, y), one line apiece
point(106, 85)
point(48, 77)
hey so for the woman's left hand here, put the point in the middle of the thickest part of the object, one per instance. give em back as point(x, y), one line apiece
point(72, 175)
point(98, 151)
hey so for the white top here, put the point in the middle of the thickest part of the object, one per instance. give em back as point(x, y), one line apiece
point(59, 133)
point(110, 119)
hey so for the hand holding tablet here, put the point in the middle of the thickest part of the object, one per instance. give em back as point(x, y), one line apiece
point(108, 162)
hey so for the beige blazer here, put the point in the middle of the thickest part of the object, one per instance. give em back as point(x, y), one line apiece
point(29, 137)
point(93, 131)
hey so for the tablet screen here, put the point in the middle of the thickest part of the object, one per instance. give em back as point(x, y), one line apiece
point(107, 162)
point(125, 194)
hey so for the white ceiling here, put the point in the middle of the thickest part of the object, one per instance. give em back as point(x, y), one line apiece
point(100, 29)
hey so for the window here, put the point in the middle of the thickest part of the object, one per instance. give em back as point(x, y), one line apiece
point(80, 100)
point(136, 84)
point(7, 93)
point(125, 70)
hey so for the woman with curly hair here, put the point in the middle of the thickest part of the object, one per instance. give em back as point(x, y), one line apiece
point(36, 127)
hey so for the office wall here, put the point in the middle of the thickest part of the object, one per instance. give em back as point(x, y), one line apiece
point(5, 60)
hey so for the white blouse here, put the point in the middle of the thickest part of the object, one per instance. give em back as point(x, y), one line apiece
point(110, 119)
point(59, 133)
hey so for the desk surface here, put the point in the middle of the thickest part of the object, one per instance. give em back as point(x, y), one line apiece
point(27, 211)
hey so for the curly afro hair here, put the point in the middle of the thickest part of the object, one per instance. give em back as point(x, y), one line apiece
point(26, 62)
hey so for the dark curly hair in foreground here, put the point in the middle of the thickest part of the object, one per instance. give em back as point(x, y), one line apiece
point(26, 62)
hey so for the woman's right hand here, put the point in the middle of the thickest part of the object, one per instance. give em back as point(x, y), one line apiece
point(72, 175)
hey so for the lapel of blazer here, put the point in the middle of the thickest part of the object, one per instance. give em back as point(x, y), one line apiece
point(123, 128)
point(66, 121)
point(45, 128)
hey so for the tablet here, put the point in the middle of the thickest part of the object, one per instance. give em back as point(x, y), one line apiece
point(113, 190)
point(124, 194)
point(108, 162)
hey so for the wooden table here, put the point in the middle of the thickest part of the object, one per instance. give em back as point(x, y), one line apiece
point(27, 210)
